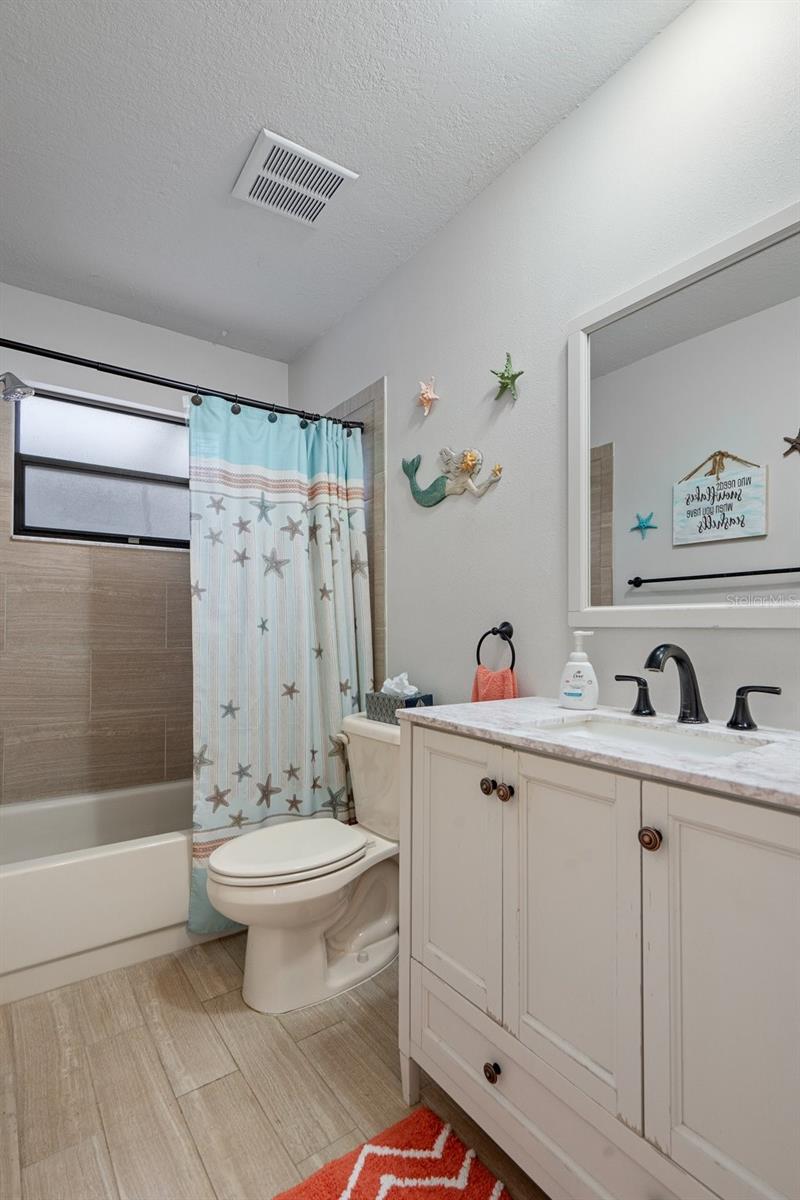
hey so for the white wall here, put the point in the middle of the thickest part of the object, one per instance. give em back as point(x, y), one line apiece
point(693, 140)
point(734, 388)
point(89, 333)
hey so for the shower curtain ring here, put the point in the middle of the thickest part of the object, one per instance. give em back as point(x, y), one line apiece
point(236, 407)
point(273, 416)
point(197, 399)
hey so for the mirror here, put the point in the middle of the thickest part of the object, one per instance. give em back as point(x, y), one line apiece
point(689, 411)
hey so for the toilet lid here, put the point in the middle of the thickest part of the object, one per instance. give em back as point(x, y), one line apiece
point(295, 849)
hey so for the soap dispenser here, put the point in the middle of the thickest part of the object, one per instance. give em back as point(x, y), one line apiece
point(578, 679)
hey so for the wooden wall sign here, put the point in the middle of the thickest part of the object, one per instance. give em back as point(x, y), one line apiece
point(715, 508)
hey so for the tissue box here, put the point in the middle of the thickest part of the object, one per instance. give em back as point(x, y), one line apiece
point(381, 707)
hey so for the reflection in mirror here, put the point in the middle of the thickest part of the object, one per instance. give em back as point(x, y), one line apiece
point(694, 401)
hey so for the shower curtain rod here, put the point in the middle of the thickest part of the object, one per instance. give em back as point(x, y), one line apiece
point(174, 384)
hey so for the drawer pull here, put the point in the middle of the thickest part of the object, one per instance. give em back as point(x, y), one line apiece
point(492, 1071)
point(650, 839)
point(488, 785)
point(505, 791)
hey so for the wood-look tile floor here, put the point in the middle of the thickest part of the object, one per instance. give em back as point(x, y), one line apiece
point(156, 1082)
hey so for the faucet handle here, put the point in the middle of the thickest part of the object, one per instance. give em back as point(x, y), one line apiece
point(741, 717)
point(643, 706)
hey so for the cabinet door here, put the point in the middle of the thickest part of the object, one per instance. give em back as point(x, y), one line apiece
point(457, 869)
point(573, 922)
point(722, 991)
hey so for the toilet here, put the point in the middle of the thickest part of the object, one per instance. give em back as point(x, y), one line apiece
point(320, 897)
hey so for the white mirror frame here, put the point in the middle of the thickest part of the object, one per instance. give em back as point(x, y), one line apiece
point(581, 611)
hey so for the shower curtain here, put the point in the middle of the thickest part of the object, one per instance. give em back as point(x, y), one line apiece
point(281, 628)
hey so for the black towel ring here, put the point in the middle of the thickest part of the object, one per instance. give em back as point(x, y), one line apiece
point(504, 630)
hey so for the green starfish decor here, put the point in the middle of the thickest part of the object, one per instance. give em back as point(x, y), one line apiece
point(508, 379)
point(643, 524)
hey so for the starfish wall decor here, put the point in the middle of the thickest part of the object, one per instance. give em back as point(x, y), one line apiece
point(507, 379)
point(427, 395)
point(643, 525)
point(794, 445)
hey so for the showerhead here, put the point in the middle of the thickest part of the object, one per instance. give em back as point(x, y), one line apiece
point(13, 388)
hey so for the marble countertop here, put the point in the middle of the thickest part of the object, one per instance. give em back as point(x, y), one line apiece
point(766, 769)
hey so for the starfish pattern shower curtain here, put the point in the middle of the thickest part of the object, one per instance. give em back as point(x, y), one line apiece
point(281, 628)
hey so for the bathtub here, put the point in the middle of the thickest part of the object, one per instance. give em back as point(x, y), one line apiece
point(92, 882)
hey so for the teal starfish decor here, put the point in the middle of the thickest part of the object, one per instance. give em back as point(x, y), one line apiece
point(643, 524)
point(508, 379)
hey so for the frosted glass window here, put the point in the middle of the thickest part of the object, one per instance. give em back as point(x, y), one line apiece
point(80, 433)
point(110, 505)
point(100, 474)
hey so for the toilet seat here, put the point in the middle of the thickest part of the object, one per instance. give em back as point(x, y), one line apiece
point(288, 853)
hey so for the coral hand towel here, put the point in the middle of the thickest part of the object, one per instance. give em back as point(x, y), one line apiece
point(495, 685)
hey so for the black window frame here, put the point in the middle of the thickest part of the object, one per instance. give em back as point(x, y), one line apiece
point(23, 460)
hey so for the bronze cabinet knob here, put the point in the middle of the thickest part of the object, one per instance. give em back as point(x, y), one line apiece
point(504, 791)
point(492, 1071)
point(488, 785)
point(649, 839)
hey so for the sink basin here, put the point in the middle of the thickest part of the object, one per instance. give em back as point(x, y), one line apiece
point(694, 743)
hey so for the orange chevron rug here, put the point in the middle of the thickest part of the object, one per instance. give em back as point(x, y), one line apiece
point(420, 1158)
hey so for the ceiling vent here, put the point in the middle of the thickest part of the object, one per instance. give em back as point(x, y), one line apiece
point(289, 179)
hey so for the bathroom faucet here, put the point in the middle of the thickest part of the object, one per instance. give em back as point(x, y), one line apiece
point(692, 711)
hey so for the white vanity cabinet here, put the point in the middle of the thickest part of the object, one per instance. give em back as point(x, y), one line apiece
point(624, 1021)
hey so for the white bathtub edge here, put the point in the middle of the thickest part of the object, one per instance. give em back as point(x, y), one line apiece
point(42, 977)
point(52, 862)
point(71, 904)
point(32, 830)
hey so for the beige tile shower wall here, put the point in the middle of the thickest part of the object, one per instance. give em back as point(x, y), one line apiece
point(95, 661)
point(602, 514)
point(369, 406)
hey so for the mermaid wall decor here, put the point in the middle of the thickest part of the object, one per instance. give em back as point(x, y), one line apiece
point(459, 476)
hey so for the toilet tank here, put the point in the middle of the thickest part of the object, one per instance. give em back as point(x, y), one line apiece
point(373, 754)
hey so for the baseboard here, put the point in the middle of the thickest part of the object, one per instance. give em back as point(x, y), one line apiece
point(29, 981)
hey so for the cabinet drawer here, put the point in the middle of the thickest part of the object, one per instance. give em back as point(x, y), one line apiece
point(452, 1040)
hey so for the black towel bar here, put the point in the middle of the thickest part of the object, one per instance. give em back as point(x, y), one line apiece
point(637, 580)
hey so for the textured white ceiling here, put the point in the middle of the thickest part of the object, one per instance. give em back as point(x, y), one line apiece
point(125, 126)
